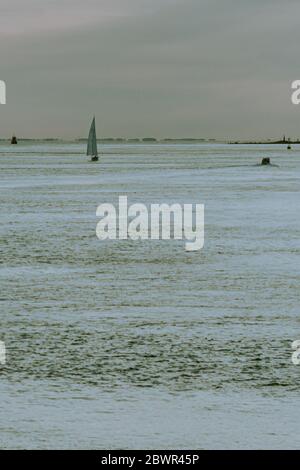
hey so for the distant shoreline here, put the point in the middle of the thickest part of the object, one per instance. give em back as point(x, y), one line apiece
point(152, 140)
point(268, 142)
point(117, 140)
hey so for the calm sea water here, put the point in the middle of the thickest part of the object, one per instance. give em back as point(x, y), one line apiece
point(141, 344)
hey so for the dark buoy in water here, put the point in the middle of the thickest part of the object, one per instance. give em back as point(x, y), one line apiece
point(13, 140)
point(266, 161)
point(289, 147)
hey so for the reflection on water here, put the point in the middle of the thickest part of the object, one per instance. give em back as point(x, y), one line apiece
point(102, 336)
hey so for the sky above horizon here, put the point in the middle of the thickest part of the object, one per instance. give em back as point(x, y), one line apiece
point(162, 68)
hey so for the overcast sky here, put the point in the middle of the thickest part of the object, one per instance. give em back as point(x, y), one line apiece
point(164, 68)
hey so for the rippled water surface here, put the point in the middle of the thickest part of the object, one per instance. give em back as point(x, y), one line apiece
point(126, 344)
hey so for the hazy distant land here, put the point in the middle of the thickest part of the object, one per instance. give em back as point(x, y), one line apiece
point(115, 140)
point(149, 140)
point(265, 142)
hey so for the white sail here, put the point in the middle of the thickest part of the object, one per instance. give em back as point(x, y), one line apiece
point(92, 141)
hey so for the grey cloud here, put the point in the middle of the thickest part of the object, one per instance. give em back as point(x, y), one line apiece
point(194, 67)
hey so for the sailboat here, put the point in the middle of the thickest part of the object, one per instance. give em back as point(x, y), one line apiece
point(92, 143)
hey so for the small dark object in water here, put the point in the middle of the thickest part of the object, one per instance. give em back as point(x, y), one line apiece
point(289, 147)
point(95, 158)
point(13, 140)
point(266, 161)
